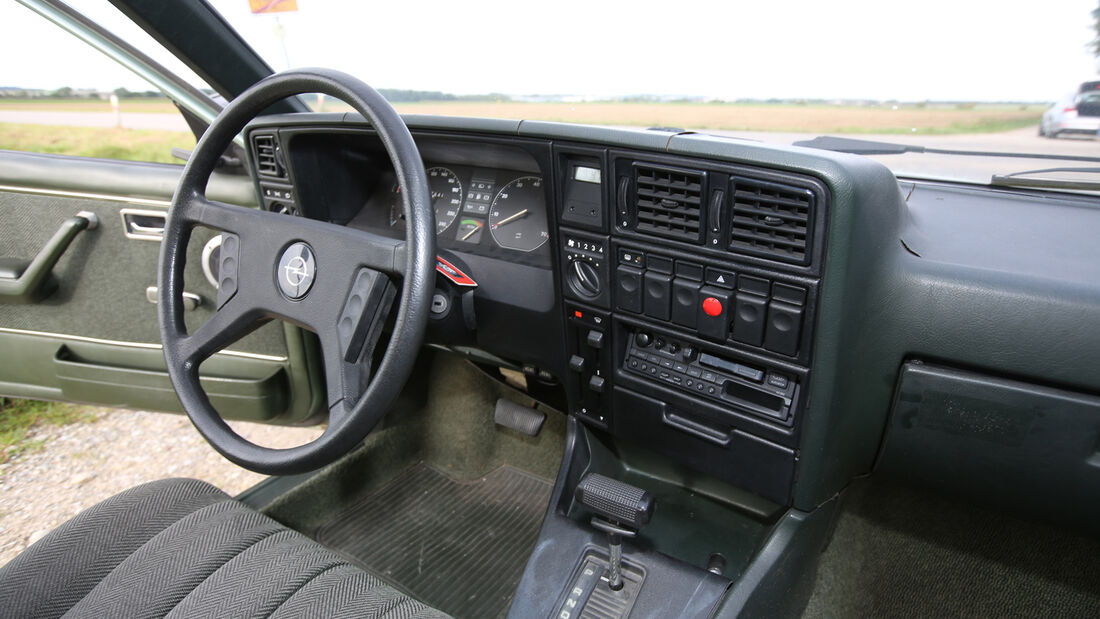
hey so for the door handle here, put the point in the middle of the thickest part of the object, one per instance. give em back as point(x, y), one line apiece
point(190, 299)
point(142, 224)
point(137, 228)
point(29, 282)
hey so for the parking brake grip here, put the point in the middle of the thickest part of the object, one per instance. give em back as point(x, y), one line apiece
point(621, 511)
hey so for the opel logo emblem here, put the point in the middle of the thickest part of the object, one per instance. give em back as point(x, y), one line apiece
point(296, 271)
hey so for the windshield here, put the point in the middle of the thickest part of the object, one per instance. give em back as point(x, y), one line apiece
point(984, 76)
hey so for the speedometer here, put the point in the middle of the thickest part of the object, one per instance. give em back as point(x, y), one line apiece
point(446, 192)
point(517, 217)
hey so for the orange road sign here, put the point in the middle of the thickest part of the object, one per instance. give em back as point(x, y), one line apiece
point(273, 6)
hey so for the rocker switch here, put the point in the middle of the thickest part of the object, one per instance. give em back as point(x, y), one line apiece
point(576, 363)
point(595, 339)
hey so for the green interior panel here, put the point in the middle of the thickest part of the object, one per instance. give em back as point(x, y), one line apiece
point(103, 276)
point(95, 338)
point(260, 395)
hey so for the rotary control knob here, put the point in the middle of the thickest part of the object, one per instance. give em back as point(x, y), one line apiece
point(584, 279)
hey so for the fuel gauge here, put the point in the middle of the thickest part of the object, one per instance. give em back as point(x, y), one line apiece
point(469, 230)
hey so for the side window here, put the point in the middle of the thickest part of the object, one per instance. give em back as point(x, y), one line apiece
point(64, 97)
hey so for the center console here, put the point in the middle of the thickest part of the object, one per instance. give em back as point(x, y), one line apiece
point(690, 294)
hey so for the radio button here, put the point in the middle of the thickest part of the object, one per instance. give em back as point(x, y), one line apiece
point(778, 381)
point(745, 371)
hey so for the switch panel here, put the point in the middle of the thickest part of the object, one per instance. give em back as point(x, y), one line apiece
point(744, 308)
point(589, 363)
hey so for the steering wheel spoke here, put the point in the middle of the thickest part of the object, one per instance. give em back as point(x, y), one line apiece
point(230, 323)
point(197, 209)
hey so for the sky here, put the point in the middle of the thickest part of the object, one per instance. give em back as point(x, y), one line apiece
point(972, 50)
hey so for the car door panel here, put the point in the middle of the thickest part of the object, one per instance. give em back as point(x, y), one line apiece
point(95, 338)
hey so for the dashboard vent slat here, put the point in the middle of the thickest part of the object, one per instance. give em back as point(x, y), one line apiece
point(771, 220)
point(267, 162)
point(668, 202)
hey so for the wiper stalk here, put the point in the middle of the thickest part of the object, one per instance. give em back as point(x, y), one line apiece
point(1018, 179)
point(871, 147)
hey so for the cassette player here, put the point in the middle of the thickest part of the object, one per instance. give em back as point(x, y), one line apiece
point(748, 387)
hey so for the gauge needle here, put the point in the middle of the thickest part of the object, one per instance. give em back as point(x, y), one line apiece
point(471, 233)
point(508, 220)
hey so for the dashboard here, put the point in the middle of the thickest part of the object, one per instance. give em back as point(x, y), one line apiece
point(749, 311)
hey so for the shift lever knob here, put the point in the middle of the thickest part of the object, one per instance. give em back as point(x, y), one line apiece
point(621, 509)
point(618, 502)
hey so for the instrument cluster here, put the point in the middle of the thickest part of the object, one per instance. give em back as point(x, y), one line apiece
point(482, 207)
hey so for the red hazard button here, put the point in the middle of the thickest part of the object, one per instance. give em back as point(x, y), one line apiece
point(712, 306)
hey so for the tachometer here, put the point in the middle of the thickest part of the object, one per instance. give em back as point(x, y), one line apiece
point(446, 191)
point(517, 217)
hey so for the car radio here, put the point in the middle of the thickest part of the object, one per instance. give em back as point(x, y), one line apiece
point(748, 387)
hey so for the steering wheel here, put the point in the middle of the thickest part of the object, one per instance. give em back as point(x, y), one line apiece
point(330, 279)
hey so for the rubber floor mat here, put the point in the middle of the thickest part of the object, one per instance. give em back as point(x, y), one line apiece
point(458, 546)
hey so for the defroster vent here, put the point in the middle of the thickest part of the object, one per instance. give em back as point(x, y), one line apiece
point(267, 161)
point(771, 220)
point(669, 202)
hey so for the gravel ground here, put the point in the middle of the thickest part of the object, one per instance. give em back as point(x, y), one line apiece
point(82, 464)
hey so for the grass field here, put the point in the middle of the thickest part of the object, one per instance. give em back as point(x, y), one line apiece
point(128, 144)
point(929, 118)
point(19, 417)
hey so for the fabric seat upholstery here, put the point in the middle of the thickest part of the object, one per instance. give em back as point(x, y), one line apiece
point(183, 548)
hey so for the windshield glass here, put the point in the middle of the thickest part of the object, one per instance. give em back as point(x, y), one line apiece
point(981, 75)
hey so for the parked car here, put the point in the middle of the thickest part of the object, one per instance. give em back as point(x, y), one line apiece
point(1074, 114)
point(566, 370)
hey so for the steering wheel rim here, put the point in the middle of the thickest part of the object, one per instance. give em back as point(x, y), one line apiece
point(369, 258)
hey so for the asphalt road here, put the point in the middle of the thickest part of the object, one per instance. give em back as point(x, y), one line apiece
point(916, 165)
point(165, 122)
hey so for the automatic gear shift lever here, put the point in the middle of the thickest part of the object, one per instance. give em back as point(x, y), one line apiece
point(621, 510)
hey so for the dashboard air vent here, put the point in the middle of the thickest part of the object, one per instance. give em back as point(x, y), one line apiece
point(771, 220)
point(669, 202)
point(267, 162)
